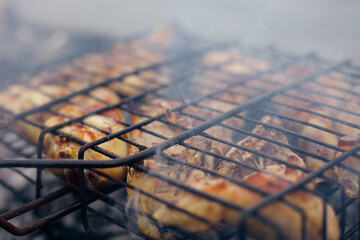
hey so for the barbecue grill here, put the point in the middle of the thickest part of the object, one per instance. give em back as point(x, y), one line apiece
point(104, 213)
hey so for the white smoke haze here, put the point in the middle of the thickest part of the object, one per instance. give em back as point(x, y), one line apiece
point(327, 27)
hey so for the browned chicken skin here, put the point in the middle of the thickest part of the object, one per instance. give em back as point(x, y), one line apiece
point(352, 105)
point(285, 217)
point(61, 147)
point(350, 102)
point(318, 89)
point(264, 147)
point(176, 171)
point(81, 73)
point(349, 180)
point(282, 215)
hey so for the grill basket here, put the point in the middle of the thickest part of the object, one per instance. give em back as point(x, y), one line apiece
point(105, 213)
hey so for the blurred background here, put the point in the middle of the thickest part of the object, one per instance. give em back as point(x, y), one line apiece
point(39, 32)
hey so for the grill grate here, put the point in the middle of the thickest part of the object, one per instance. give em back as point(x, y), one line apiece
point(259, 101)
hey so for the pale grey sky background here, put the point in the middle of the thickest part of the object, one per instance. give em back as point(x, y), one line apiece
point(329, 27)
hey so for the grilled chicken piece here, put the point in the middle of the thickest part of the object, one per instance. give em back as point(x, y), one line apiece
point(352, 105)
point(216, 58)
point(158, 106)
point(317, 92)
point(264, 147)
point(123, 57)
point(221, 68)
point(287, 219)
point(333, 80)
point(232, 61)
point(322, 151)
point(177, 171)
point(90, 69)
point(349, 180)
point(20, 98)
point(56, 147)
point(146, 80)
point(82, 72)
point(83, 105)
point(87, 70)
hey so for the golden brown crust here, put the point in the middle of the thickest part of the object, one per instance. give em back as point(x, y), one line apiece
point(349, 180)
point(58, 147)
point(82, 72)
point(319, 91)
point(286, 218)
point(264, 147)
point(233, 62)
point(179, 172)
point(352, 105)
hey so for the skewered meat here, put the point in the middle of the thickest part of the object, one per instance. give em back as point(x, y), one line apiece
point(286, 218)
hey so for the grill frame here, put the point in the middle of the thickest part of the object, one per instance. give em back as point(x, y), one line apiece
point(84, 199)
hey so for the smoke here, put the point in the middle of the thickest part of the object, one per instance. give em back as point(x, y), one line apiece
point(39, 30)
point(322, 26)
